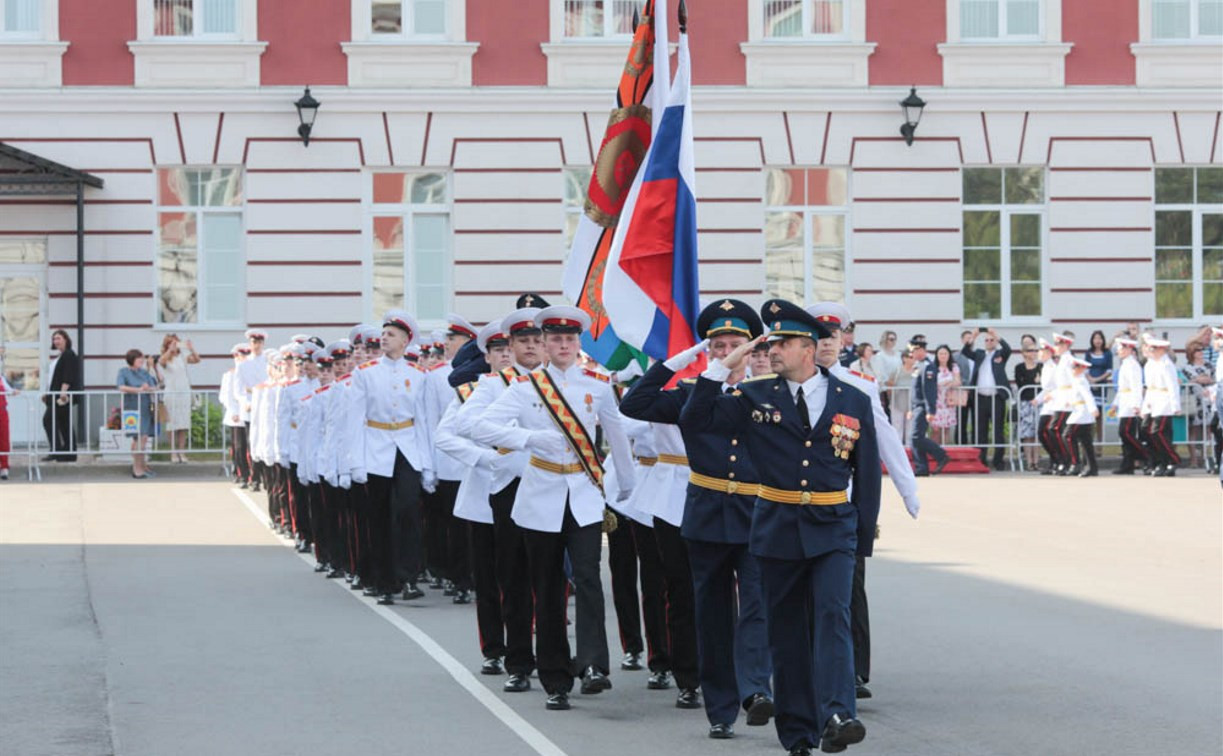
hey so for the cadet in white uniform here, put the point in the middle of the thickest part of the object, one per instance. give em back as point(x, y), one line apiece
point(1160, 404)
point(1063, 386)
point(1128, 402)
point(252, 372)
point(1082, 419)
point(1048, 408)
point(392, 451)
point(228, 397)
point(559, 504)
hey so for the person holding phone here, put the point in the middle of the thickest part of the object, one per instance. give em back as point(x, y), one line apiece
point(993, 391)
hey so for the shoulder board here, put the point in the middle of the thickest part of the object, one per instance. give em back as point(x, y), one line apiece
point(321, 389)
point(364, 365)
point(312, 393)
point(597, 376)
point(294, 382)
point(864, 376)
point(688, 380)
point(521, 378)
point(344, 377)
point(765, 377)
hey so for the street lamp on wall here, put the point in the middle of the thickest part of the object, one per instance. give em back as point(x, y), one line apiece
point(307, 110)
point(912, 106)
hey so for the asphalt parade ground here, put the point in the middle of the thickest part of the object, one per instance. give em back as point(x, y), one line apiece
point(1019, 616)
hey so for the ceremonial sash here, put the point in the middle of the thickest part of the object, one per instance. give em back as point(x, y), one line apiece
point(574, 432)
point(508, 375)
point(464, 391)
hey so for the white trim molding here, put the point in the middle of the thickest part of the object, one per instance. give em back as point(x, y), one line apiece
point(194, 65)
point(1001, 66)
point(409, 64)
point(585, 63)
point(1178, 64)
point(25, 64)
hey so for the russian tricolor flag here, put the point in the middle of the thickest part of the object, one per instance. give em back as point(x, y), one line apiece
point(650, 287)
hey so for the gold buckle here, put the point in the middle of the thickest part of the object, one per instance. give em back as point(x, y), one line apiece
point(732, 486)
point(805, 497)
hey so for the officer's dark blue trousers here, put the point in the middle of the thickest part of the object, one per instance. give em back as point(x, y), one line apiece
point(922, 443)
point(733, 640)
point(810, 642)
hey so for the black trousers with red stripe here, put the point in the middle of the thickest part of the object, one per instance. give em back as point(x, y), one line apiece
point(681, 604)
point(240, 451)
point(1132, 450)
point(622, 562)
point(1159, 432)
point(1045, 433)
point(1058, 428)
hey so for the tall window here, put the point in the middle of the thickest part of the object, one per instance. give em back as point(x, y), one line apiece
point(1188, 243)
point(407, 18)
point(804, 18)
point(20, 18)
point(600, 18)
point(1186, 19)
point(576, 182)
point(1003, 237)
point(411, 235)
point(200, 261)
point(804, 233)
point(195, 18)
point(1000, 19)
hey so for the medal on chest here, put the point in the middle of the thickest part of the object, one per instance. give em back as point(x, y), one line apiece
point(844, 434)
point(590, 402)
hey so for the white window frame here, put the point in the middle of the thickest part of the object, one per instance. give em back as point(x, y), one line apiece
point(202, 320)
point(1003, 37)
point(245, 18)
point(1198, 209)
point(409, 212)
point(1050, 26)
point(1005, 211)
point(556, 24)
point(362, 20)
point(48, 24)
point(1146, 26)
point(851, 10)
point(807, 213)
point(834, 61)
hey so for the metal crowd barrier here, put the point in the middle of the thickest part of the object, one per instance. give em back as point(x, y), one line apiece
point(95, 430)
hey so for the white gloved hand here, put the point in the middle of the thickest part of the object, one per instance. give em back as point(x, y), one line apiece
point(488, 459)
point(913, 505)
point(549, 443)
point(360, 477)
point(331, 480)
point(628, 372)
point(624, 494)
point(346, 481)
point(685, 358)
point(428, 481)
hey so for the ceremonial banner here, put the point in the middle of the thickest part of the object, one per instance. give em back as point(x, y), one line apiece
point(625, 142)
point(650, 286)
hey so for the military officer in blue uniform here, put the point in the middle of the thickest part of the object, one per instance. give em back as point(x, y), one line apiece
point(811, 436)
point(717, 519)
point(923, 407)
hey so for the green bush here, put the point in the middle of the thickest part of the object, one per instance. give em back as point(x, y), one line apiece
point(206, 429)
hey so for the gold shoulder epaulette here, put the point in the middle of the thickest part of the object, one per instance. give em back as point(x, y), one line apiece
point(364, 365)
point(765, 377)
point(596, 375)
point(862, 375)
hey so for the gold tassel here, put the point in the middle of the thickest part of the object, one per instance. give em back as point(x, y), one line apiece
point(610, 521)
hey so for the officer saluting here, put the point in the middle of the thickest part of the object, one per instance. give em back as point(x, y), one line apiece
point(392, 450)
point(811, 436)
point(560, 503)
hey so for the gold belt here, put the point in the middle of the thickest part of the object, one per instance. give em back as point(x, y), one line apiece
point(390, 426)
point(673, 459)
point(722, 485)
point(818, 498)
point(647, 461)
point(503, 451)
point(556, 467)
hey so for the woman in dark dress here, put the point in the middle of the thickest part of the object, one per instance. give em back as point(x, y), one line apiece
point(1027, 383)
point(57, 418)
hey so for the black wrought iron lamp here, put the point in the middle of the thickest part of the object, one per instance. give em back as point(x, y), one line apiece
point(913, 107)
point(307, 111)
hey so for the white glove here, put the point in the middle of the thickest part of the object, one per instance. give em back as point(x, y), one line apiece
point(687, 357)
point(549, 443)
point(488, 459)
point(628, 372)
point(913, 505)
point(624, 494)
point(346, 481)
point(360, 477)
point(331, 480)
point(428, 481)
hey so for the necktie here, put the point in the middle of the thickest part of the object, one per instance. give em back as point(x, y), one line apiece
point(803, 416)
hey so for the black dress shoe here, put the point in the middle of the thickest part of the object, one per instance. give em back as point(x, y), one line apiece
point(388, 599)
point(335, 572)
point(631, 661)
point(411, 592)
point(368, 590)
point(461, 597)
point(320, 567)
point(492, 666)
point(941, 464)
point(1170, 471)
point(437, 584)
point(519, 684)
point(759, 709)
point(244, 484)
point(449, 589)
point(721, 731)
point(660, 680)
point(689, 698)
point(1160, 472)
point(860, 689)
point(802, 749)
point(357, 584)
point(558, 702)
point(840, 733)
point(1089, 473)
point(594, 681)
